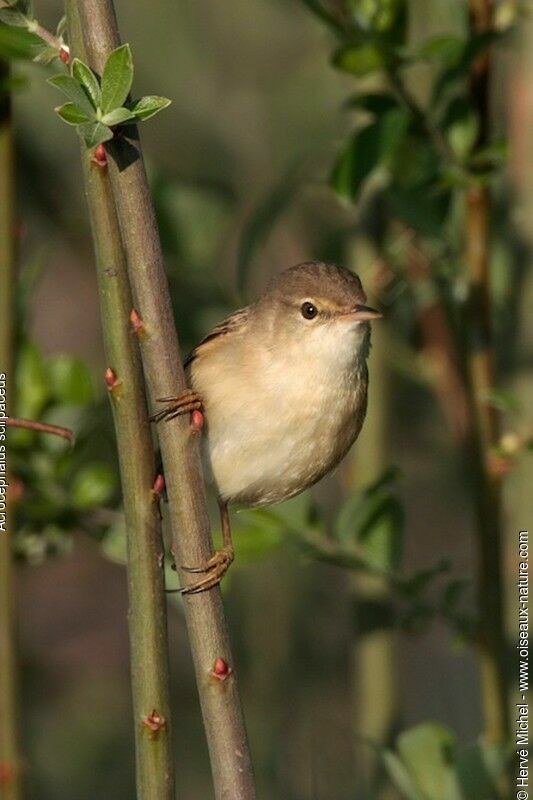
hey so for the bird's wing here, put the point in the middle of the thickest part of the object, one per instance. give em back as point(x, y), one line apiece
point(231, 324)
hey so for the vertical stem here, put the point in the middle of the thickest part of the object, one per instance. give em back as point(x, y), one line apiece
point(147, 604)
point(208, 633)
point(10, 759)
point(438, 345)
point(375, 685)
point(375, 689)
point(485, 438)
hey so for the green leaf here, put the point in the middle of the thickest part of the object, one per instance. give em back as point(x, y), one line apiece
point(359, 60)
point(67, 416)
point(418, 582)
point(114, 544)
point(461, 125)
point(491, 157)
point(416, 193)
point(400, 776)
point(18, 43)
point(479, 768)
point(446, 49)
point(392, 127)
point(374, 102)
point(71, 114)
point(348, 520)
point(70, 380)
point(370, 147)
point(75, 93)
point(452, 594)
point(257, 539)
point(370, 524)
point(391, 20)
point(427, 750)
point(92, 486)
point(380, 541)
point(386, 19)
point(503, 400)
point(95, 133)
point(352, 514)
point(14, 17)
point(117, 116)
point(148, 106)
point(458, 73)
point(117, 78)
point(26, 6)
point(355, 164)
point(61, 27)
point(88, 80)
point(46, 56)
point(423, 208)
point(32, 385)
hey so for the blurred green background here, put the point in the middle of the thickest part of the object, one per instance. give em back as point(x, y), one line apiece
point(240, 167)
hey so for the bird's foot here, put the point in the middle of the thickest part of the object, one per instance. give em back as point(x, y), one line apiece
point(214, 570)
point(184, 403)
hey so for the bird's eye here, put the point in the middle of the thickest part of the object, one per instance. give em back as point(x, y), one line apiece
point(309, 311)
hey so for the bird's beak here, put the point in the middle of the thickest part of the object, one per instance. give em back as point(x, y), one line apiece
point(361, 313)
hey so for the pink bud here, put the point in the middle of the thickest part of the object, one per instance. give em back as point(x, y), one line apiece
point(99, 156)
point(64, 55)
point(154, 721)
point(111, 380)
point(197, 420)
point(136, 322)
point(221, 670)
point(159, 485)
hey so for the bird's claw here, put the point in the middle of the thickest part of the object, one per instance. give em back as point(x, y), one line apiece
point(183, 403)
point(215, 569)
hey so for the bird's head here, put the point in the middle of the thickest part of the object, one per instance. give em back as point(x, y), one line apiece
point(317, 308)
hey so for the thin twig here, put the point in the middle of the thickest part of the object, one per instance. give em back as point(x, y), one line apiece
point(35, 27)
point(208, 633)
point(481, 368)
point(439, 347)
point(41, 427)
point(47, 37)
point(407, 99)
point(147, 604)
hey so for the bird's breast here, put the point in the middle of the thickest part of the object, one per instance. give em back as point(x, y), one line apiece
point(273, 428)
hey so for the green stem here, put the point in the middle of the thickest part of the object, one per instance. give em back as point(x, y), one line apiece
point(374, 686)
point(147, 605)
point(485, 438)
point(204, 613)
point(10, 758)
point(409, 102)
point(35, 27)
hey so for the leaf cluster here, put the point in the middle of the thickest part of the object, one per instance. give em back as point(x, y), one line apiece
point(422, 151)
point(55, 489)
point(98, 107)
point(367, 537)
point(20, 34)
point(427, 766)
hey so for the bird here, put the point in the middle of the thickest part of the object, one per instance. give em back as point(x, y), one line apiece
point(283, 386)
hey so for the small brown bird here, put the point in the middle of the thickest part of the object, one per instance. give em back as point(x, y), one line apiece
point(283, 385)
